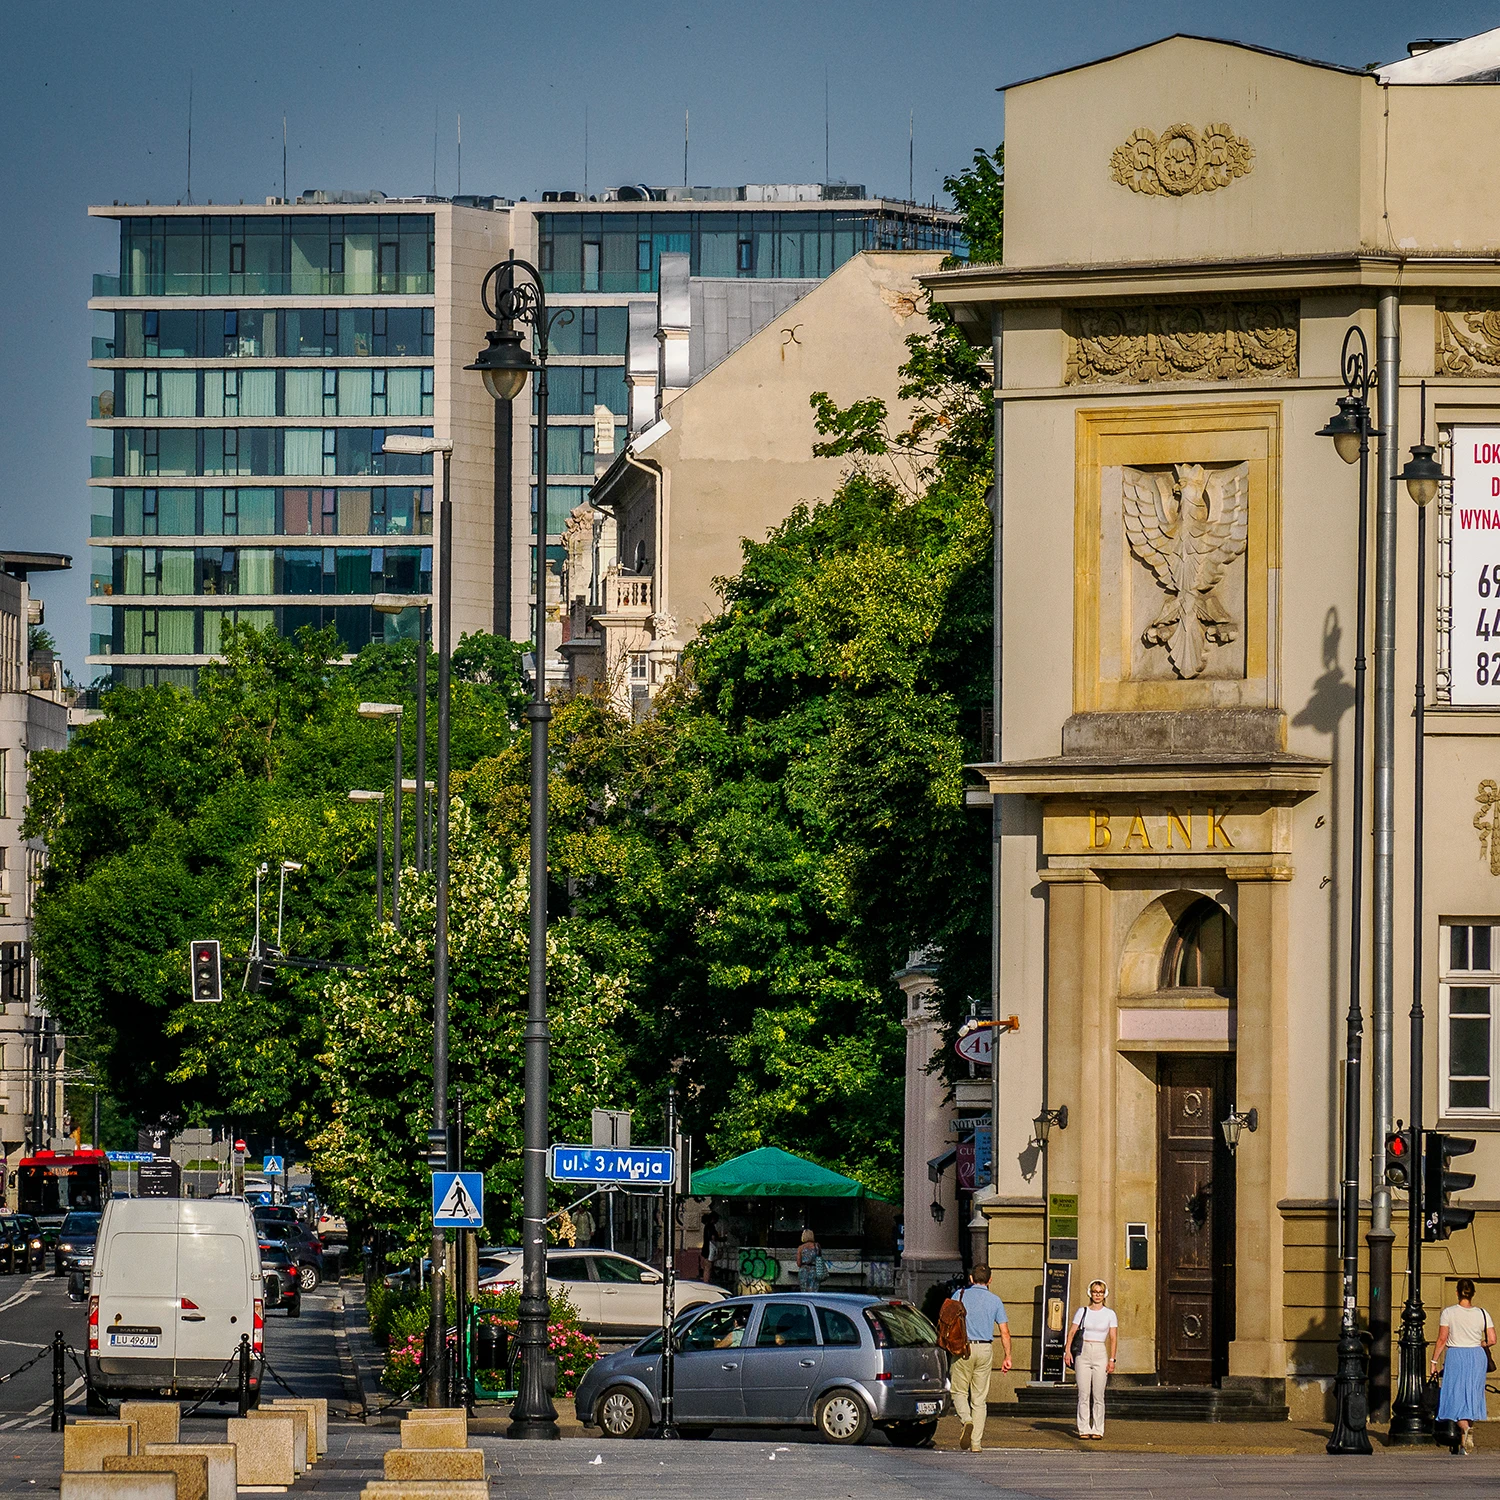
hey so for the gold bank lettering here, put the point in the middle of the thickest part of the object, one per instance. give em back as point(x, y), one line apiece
point(1157, 831)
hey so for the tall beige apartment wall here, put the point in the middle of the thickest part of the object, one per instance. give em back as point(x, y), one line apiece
point(468, 242)
point(740, 449)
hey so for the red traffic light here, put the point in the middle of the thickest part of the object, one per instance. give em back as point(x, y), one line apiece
point(1398, 1145)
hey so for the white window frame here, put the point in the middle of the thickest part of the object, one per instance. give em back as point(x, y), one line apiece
point(1448, 979)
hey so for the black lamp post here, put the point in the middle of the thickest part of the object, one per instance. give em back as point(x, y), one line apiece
point(519, 298)
point(1351, 431)
point(1409, 1423)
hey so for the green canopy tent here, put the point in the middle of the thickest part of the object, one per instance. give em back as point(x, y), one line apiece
point(773, 1173)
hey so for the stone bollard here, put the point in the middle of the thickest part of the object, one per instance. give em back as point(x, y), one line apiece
point(102, 1486)
point(418, 1489)
point(159, 1421)
point(302, 1428)
point(87, 1444)
point(433, 1464)
point(265, 1452)
point(435, 1432)
point(316, 1408)
point(222, 1480)
point(191, 1470)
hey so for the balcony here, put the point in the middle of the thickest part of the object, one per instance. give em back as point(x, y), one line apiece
point(106, 286)
point(627, 594)
point(101, 525)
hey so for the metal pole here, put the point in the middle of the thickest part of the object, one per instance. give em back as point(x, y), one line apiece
point(59, 1384)
point(421, 797)
point(1383, 848)
point(533, 1415)
point(437, 1332)
point(396, 838)
point(669, 1279)
point(1350, 1399)
point(1409, 1423)
point(997, 702)
point(380, 860)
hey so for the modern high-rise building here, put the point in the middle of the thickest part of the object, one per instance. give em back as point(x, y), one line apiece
point(249, 360)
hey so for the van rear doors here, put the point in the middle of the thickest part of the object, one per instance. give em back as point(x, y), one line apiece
point(136, 1275)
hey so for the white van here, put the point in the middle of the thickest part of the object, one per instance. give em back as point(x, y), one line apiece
point(176, 1282)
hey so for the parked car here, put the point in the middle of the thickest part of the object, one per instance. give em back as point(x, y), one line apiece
point(331, 1225)
point(175, 1285)
point(36, 1243)
point(305, 1202)
point(305, 1249)
point(840, 1363)
point(614, 1293)
point(75, 1242)
point(283, 1280)
point(16, 1242)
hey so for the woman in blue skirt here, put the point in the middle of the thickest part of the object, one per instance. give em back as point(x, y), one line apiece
point(1464, 1333)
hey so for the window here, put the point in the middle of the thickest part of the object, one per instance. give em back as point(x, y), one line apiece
point(719, 1328)
point(1200, 954)
point(591, 265)
point(612, 1268)
point(786, 1324)
point(838, 1329)
point(567, 1268)
point(1469, 984)
point(637, 666)
point(745, 259)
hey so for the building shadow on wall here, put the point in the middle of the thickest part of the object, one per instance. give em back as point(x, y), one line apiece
point(1332, 698)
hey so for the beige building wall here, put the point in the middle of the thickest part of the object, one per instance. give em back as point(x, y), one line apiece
point(1144, 328)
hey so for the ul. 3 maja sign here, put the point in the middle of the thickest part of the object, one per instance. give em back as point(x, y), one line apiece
point(1475, 628)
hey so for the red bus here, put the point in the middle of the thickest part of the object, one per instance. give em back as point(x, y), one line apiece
point(53, 1183)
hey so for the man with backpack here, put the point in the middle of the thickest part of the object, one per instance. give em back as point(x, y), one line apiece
point(967, 1324)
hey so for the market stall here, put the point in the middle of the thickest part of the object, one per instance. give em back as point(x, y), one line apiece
point(759, 1204)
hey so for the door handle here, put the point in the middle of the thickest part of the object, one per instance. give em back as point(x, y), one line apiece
point(192, 1317)
point(807, 1364)
point(729, 1367)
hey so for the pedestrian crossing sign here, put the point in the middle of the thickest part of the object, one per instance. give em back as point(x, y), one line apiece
point(271, 1166)
point(458, 1200)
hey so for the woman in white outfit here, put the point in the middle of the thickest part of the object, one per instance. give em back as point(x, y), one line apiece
point(1101, 1338)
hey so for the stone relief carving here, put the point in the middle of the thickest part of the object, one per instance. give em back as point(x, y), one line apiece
point(1487, 823)
point(1181, 161)
point(1140, 344)
point(1468, 336)
point(1187, 527)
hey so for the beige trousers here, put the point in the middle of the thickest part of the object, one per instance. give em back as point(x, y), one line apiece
point(1091, 1369)
point(970, 1379)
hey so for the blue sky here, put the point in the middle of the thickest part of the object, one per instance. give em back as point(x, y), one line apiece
point(95, 107)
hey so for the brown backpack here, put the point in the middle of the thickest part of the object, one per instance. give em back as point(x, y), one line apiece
point(953, 1328)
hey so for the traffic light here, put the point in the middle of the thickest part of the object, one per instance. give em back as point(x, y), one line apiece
point(261, 974)
point(1438, 1182)
point(208, 972)
point(1400, 1153)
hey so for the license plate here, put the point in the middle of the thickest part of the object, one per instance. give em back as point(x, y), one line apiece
point(134, 1340)
point(84, 1260)
point(929, 1408)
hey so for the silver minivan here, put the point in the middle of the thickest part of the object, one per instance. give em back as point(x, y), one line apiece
point(176, 1283)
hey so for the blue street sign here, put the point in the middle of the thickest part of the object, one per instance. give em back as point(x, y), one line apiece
point(131, 1156)
point(651, 1166)
point(458, 1200)
point(272, 1166)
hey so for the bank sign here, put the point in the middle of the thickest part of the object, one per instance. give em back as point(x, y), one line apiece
point(1475, 632)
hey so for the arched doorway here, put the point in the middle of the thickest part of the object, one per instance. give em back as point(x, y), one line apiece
point(1195, 1170)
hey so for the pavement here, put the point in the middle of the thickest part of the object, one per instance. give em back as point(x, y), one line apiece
point(327, 1352)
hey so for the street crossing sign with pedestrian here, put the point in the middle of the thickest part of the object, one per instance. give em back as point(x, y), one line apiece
point(272, 1166)
point(458, 1200)
point(647, 1166)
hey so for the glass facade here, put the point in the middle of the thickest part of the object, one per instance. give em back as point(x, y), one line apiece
point(270, 333)
point(387, 510)
point(194, 452)
point(271, 255)
point(304, 391)
point(621, 252)
point(200, 632)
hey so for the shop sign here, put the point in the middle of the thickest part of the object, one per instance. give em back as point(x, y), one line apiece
point(1475, 621)
point(977, 1046)
point(1062, 1226)
point(1057, 1288)
point(972, 1162)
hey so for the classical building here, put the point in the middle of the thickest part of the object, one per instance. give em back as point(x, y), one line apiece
point(1193, 229)
point(721, 448)
point(33, 716)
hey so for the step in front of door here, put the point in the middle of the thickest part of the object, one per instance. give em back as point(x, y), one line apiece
point(1152, 1403)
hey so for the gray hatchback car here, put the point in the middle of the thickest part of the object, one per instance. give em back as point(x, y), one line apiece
point(840, 1363)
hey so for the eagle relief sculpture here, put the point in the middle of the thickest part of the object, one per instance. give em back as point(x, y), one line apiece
point(1187, 529)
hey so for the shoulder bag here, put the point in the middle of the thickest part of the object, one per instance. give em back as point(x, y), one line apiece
point(1075, 1346)
point(1489, 1353)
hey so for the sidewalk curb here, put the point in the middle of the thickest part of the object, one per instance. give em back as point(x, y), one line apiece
point(348, 1366)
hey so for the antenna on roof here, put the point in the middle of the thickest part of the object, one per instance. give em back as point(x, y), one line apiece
point(460, 156)
point(434, 149)
point(684, 148)
point(190, 137)
point(283, 156)
point(585, 152)
point(911, 156)
point(825, 124)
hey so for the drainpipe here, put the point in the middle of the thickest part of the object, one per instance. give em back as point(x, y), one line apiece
point(1383, 838)
point(997, 645)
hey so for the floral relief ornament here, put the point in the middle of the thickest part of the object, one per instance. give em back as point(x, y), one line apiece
point(1181, 161)
point(1487, 823)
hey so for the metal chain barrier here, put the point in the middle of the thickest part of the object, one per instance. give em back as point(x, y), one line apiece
point(41, 1354)
point(266, 1368)
point(396, 1401)
point(218, 1381)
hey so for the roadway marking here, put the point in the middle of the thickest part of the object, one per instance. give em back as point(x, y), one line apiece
point(21, 1296)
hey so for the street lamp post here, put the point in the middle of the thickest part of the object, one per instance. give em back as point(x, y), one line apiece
point(519, 298)
point(435, 1368)
point(1351, 431)
point(1409, 1423)
point(397, 604)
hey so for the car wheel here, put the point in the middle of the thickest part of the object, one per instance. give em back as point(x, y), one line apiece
point(841, 1417)
point(911, 1434)
point(308, 1278)
point(622, 1413)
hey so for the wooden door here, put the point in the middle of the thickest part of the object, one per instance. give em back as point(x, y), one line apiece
point(1195, 1215)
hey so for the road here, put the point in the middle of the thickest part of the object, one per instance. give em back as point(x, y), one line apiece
point(303, 1352)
